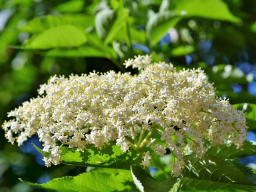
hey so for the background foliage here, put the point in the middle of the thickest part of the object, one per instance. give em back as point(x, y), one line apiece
point(40, 38)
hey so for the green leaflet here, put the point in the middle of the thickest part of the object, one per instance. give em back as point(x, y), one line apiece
point(40, 24)
point(147, 183)
point(56, 37)
point(159, 24)
point(216, 9)
point(210, 173)
point(231, 152)
point(250, 113)
point(213, 169)
point(188, 185)
point(96, 181)
point(109, 156)
point(245, 170)
point(109, 22)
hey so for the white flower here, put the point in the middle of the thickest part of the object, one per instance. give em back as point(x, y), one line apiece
point(146, 161)
point(114, 107)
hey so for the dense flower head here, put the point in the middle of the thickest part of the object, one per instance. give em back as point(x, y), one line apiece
point(158, 109)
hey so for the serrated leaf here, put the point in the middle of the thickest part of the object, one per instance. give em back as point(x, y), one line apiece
point(56, 37)
point(210, 171)
point(231, 152)
point(109, 156)
point(146, 183)
point(188, 185)
point(40, 24)
point(109, 22)
point(210, 9)
point(95, 181)
point(159, 24)
point(245, 170)
point(250, 113)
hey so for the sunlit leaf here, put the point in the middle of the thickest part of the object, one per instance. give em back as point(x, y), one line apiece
point(109, 156)
point(83, 51)
point(40, 24)
point(250, 113)
point(210, 9)
point(56, 37)
point(70, 6)
point(159, 24)
point(182, 50)
point(109, 22)
point(95, 181)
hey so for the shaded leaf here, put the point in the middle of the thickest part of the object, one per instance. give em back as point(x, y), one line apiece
point(231, 152)
point(210, 173)
point(250, 113)
point(188, 185)
point(95, 181)
point(245, 170)
point(147, 183)
point(56, 37)
point(226, 73)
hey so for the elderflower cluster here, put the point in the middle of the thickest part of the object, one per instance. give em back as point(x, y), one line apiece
point(155, 110)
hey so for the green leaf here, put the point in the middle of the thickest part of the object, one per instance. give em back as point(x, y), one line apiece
point(109, 156)
point(245, 170)
point(210, 9)
point(95, 181)
point(188, 185)
point(70, 6)
point(83, 51)
point(231, 152)
point(250, 113)
point(45, 154)
point(146, 183)
point(109, 22)
point(159, 24)
point(212, 173)
point(182, 50)
point(228, 74)
point(40, 24)
point(56, 37)
point(243, 96)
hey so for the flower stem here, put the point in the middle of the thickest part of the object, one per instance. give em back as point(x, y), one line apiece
point(146, 139)
point(141, 136)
